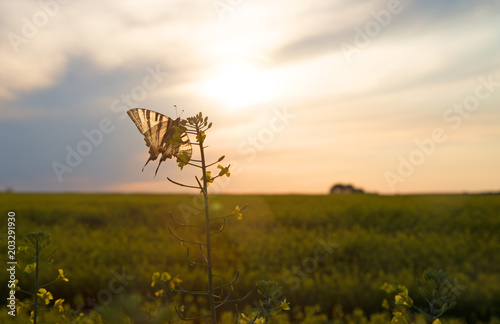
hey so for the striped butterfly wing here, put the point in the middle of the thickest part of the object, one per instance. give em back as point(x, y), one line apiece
point(158, 131)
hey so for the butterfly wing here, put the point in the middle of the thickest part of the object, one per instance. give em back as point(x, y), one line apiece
point(158, 131)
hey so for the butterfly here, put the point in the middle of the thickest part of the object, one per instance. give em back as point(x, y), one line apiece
point(158, 131)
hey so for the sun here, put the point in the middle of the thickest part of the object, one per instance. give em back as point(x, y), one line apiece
point(240, 84)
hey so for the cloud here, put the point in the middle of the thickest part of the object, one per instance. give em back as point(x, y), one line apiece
point(67, 73)
point(112, 35)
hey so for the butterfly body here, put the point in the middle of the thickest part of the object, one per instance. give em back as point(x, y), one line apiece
point(158, 131)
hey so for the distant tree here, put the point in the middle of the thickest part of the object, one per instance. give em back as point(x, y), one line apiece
point(340, 188)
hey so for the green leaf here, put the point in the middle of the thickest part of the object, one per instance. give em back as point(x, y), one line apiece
point(268, 289)
point(422, 292)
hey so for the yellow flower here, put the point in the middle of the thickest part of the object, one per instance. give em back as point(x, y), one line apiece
point(237, 213)
point(200, 138)
point(224, 170)
point(59, 305)
point(155, 278)
point(285, 305)
point(45, 295)
point(159, 293)
point(245, 319)
point(165, 276)
point(175, 282)
point(62, 276)
point(30, 268)
point(208, 177)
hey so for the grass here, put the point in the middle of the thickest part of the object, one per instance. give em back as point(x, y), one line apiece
point(377, 239)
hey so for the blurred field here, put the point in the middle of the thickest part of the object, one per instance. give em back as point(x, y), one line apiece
point(372, 240)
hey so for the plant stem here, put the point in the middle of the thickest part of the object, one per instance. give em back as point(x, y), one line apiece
point(207, 231)
point(431, 313)
point(36, 282)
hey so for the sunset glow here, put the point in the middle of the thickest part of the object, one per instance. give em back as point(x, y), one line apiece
point(366, 83)
point(239, 84)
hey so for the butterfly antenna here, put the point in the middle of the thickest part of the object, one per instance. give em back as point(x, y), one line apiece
point(178, 115)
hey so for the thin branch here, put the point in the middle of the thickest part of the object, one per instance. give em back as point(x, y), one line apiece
point(202, 293)
point(443, 310)
point(221, 289)
point(197, 293)
point(254, 319)
point(242, 298)
point(195, 165)
point(213, 164)
point(183, 240)
point(203, 255)
point(221, 217)
point(194, 263)
point(182, 224)
point(190, 318)
point(217, 176)
point(27, 292)
point(225, 299)
point(49, 283)
point(201, 186)
point(221, 228)
point(180, 184)
point(232, 282)
point(227, 216)
point(236, 312)
point(221, 286)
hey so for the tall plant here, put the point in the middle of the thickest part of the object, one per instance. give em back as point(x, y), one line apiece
point(39, 259)
point(198, 126)
point(168, 137)
point(439, 292)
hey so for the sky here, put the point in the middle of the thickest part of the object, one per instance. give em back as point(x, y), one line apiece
point(395, 97)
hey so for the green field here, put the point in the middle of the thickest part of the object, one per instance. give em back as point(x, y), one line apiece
point(329, 251)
